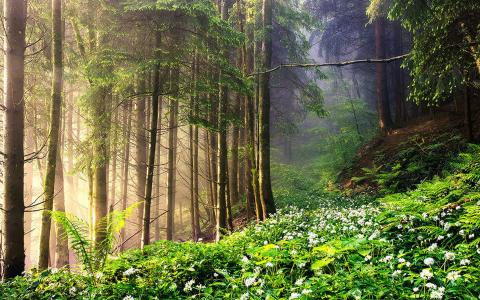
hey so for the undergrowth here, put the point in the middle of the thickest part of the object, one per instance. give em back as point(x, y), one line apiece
point(419, 244)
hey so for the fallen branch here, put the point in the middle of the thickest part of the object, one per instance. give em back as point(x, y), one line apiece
point(332, 64)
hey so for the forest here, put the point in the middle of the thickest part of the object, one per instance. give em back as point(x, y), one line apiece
point(240, 149)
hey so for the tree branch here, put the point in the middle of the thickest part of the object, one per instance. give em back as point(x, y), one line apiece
point(332, 64)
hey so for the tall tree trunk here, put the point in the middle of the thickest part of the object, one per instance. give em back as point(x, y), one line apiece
point(383, 107)
point(127, 121)
point(141, 151)
point(62, 256)
point(264, 180)
point(233, 170)
point(159, 172)
point(55, 121)
point(153, 144)
point(222, 144)
point(172, 145)
point(113, 155)
point(100, 167)
point(397, 80)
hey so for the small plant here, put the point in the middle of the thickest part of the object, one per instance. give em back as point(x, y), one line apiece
point(92, 255)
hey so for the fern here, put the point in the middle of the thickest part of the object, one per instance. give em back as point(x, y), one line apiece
point(92, 255)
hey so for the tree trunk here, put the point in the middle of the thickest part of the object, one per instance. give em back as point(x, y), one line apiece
point(383, 107)
point(397, 80)
point(141, 152)
point(234, 174)
point(127, 121)
point(153, 144)
point(159, 172)
point(113, 155)
point(264, 180)
point(62, 255)
point(172, 139)
point(55, 121)
point(100, 171)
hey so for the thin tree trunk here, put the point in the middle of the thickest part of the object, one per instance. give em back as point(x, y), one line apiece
point(113, 155)
point(55, 121)
point(153, 144)
point(264, 180)
point(172, 139)
point(61, 257)
point(159, 172)
point(383, 107)
point(127, 121)
point(141, 152)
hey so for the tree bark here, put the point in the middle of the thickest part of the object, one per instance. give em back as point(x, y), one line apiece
point(62, 255)
point(172, 139)
point(383, 107)
point(127, 121)
point(141, 152)
point(55, 121)
point(264, 180)
point(153, 144)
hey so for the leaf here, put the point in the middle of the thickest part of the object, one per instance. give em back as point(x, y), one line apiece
point(319, 264)
point(326, 249)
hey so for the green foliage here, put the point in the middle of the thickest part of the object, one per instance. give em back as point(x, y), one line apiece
point(445, 44)
point(418, 159)
point(421, 244)
point(91, 255)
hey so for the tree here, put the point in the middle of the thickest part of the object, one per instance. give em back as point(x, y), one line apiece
point(15, 15)
point(383, 105)
point(152, 144)
point(55, 123)
point(264, 179)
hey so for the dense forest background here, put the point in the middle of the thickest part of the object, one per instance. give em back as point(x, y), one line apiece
point(137, 120)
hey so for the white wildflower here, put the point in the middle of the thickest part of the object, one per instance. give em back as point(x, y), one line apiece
point(189, 285)
point(465, 262)
point(438, 293)
point(128, 298)
point(299, 281)
point(431, 286)
point(426, 274)
point(396, 273)
point(249, 281)
point(295, 296)
point(429, 261)
point(129, 272)
point(449, 256)
point(432, 247)
point(452, 276)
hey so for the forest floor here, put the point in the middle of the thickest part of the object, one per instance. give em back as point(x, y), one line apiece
point(414, 234)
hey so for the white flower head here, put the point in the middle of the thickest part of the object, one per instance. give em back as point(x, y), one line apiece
point(129, 272)
point(430, 286)
point(128, 298)
point(438, 293)
point(429, 261)
point(432, 247)
point(189, 285)
point(449, 256)
point(249, 281)
point(465, 262)
point(426, 274)
point(452, 276)
point(295, 296)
